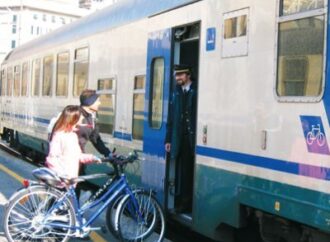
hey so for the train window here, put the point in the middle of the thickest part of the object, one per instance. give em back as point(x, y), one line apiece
point(235, 33)
point(300, 57)
point(235, 27)
point(105, 84)
point(35, 84)
point(106, 113)
point(293, 6)
point(17, 81)
point(80, 70)
point(25, 73)
point(3, 82)
point(156, 88)
point(62, 77)
point(9, 81)
point(48, 75)
point(138, 107)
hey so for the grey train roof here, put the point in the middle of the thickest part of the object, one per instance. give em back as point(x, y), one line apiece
point(119, 14)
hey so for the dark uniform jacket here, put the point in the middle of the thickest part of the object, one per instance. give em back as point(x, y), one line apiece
point(174, 126)
point(89, 131)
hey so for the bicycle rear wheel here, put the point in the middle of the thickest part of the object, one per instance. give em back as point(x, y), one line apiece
point(30, 212)
point(140, 218)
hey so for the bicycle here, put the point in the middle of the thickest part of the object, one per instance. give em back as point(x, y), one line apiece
point(316, 134)
point(42, 211)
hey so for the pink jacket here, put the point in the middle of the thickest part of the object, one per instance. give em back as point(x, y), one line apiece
point(65, 154)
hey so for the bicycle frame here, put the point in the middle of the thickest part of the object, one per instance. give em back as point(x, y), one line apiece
point(117, 187)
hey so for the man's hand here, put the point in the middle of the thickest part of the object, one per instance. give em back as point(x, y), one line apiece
point(112, 156)
point(168, 147)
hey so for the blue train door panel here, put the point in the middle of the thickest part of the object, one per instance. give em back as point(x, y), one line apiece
point(157, 92)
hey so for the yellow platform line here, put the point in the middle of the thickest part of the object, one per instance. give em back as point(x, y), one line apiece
point(11, 173)
point(95, 237)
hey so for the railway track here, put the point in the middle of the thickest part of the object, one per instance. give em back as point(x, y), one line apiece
point(11, 150)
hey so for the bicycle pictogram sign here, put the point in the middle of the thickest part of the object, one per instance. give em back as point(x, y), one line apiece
point(314, 134)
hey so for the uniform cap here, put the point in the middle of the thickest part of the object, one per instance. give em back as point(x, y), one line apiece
point(182, 68)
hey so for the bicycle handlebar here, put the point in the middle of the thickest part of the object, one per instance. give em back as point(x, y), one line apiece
point(121, 159)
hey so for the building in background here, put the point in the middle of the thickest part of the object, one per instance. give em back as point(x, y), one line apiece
point(95, 4)
point(24, 20)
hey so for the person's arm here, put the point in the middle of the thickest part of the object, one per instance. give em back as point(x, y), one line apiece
point(98, 143)
point(55, 157)
point(88, 158)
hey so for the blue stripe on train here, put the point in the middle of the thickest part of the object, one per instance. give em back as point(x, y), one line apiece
point(317, 172)
point(121, 135)
point(22, 116)
point(118, 135)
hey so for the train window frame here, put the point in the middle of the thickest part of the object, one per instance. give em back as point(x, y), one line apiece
point(45, 68)
point(17, 81)
point(75, 90)
point(110, 90)
point(10, 90)
point(303, 15)
point(137, 90)
point(25, 79)
point(3, 81)
point(35, 89)
point(67, 74)
point(152, 112)
point(236, 45)
point(298, 5)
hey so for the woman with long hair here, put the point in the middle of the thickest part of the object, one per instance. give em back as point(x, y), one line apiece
point(65, 154)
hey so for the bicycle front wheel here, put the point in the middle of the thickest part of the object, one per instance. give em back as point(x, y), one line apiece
point(111, 214)
point(31, 216)
point(140, 218)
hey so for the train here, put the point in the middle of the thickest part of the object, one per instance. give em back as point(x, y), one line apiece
point(263, 111)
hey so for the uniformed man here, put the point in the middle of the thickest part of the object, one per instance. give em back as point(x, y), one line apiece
point(181, 133)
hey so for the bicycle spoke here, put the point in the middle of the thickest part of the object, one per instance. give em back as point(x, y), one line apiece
point(33, 217)
point(24, 207)
point(138, 218)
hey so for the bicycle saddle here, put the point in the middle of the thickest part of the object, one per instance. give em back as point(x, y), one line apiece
point(47, 176)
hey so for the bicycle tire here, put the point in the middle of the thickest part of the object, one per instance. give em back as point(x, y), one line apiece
point(130, 227)
point(25, 214)
point(110, 216)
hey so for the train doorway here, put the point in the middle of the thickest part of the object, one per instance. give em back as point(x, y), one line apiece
point(180, 170)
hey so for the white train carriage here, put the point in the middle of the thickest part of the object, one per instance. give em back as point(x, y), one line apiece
point(262, 150)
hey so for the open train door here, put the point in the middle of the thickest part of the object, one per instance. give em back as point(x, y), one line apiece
point(180, 178)
point(177, 45)
point(156, 108)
